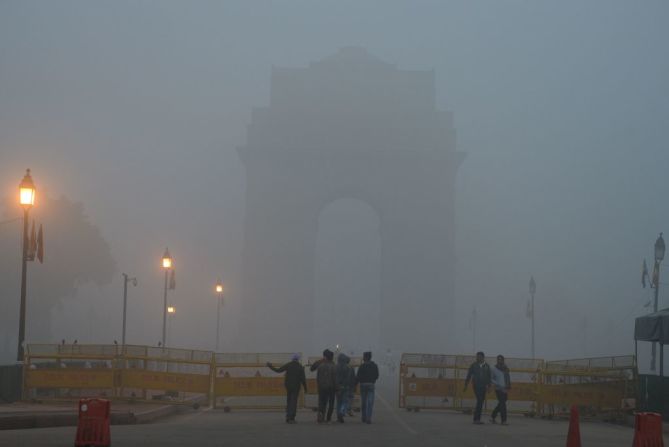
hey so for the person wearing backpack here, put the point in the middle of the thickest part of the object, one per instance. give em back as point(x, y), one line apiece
point(368, 374)
point(343, 384)
point(326, 380)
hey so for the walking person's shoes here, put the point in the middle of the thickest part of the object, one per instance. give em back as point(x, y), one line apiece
point(493, 421)
point(505, 423)
point(340, 419)
point(478, 422)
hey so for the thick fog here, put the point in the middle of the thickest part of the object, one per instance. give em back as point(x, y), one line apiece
point(130, 115)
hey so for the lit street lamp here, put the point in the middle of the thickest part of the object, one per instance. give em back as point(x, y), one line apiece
point(27, 200)
point(171, 310)
point(655, 282)
point(533, 290)
point(167, 266)
point(125, 300)
point(219, 299)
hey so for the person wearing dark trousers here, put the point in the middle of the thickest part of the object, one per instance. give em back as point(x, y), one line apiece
point(501, 379)
point(326, 380)
point(479, 375)
point(344, 372)
point(368, 374)
point(294, 379)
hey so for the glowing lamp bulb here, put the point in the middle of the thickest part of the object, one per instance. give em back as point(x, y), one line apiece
point(27, 190)
point(167, 260)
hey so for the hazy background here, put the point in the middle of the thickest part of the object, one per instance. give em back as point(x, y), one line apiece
point(134, 109)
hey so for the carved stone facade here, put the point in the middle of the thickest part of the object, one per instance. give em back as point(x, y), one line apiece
point(350, 126)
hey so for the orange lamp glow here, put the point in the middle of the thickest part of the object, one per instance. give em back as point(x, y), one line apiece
point(27, 191)
point(167, 260)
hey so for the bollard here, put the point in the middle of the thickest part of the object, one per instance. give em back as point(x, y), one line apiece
point(574, 435)
point(93, 424)
point(648, 430)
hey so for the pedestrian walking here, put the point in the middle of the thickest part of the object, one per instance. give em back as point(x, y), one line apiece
point(501, 379)
point(351, 389)
point(368, 374)
point(294, 379)
point(479, 374)
point(326, 380)
point(343, 385)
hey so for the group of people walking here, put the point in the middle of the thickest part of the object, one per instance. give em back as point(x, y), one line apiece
point(483, 377)
point(336, 383)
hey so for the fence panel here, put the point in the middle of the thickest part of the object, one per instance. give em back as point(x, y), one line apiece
point(436, 381)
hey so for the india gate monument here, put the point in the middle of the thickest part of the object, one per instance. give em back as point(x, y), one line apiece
point(350, 126)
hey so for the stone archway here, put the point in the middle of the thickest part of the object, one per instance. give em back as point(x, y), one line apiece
point(347, 277)
point(350, 126)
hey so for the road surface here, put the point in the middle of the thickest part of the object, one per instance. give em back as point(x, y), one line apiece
point(391, 427)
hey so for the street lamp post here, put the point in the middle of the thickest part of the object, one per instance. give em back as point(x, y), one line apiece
point(219, 299)
point(533, 290)
point(659, 256)
point(171, 310)
point(27, 200)
point(125, 300)
point(167, 266)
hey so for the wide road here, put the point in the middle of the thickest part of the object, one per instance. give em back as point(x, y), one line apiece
point(391, 427)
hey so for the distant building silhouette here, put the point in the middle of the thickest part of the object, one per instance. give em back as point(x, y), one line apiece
point(350, 126)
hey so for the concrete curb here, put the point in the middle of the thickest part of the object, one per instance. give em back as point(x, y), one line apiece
point(20, 421)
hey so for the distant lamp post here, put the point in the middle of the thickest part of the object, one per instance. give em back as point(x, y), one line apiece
point(655, 282)
point(126, 280)
point(219, 299)
point(533, 290)
point(167, 263)
point(27, 200)
point(171, 310)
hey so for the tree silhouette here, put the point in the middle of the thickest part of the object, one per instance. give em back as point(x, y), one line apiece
point(75, 254)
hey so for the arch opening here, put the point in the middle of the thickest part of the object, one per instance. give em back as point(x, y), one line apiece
point(347, 276)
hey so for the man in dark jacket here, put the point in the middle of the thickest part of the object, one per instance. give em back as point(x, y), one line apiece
point(294, 378)
point(326, 380)
point(368, 374)
point(479, 374)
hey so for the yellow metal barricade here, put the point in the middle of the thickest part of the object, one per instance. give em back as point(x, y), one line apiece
point(436, 381)
point(70, 371)
point(244, 381)
point(114, 371)
point(597, 385)
point(165, 374)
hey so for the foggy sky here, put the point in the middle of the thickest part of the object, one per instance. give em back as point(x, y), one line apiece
point(136, 109)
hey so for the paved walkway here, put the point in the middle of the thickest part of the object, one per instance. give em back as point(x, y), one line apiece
point(391, 427)
point(56, 414)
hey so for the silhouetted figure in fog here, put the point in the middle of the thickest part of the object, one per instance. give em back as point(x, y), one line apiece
point(368, 374)
point(351, 390)
point(344, 373)
point(501, 378)
point(294, 378)
point(326, 379)
point(479, 374)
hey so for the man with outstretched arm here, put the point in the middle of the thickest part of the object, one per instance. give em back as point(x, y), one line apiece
point(294, 378)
